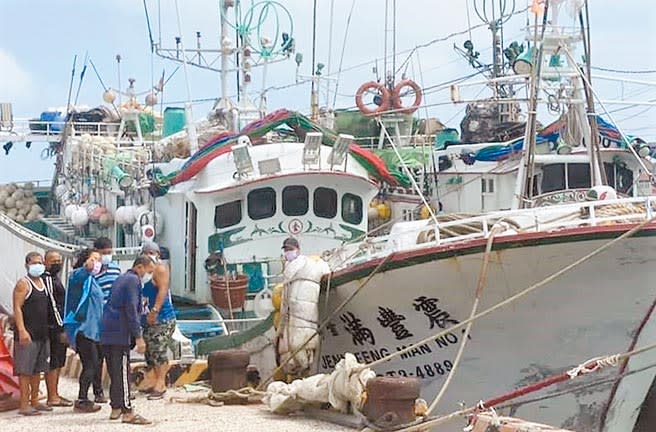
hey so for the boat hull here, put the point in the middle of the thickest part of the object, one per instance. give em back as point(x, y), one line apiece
point(602, 306)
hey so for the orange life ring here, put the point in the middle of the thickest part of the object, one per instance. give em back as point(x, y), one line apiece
point(384, 94)
point(396, 97)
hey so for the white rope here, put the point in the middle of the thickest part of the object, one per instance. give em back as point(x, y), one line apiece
point(597, 363)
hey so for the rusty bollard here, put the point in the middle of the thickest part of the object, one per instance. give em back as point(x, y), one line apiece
point(391, 400)
point(228, 372)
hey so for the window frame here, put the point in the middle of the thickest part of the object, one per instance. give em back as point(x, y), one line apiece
point(249, 210)
point(307, 201)
point(314, 202)
point(241, 213)
point(361, 214)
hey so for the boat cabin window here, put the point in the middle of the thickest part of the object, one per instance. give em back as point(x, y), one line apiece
point(555, 178)
point(227, 214)
point(578, 176)
point(261, 203)
point(295, 200)
point(325, 203)
point(619, 177)
point(351, 209)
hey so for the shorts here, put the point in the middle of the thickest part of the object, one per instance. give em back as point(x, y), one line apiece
point(158, 338)
point(31, 359)
point(57, 352)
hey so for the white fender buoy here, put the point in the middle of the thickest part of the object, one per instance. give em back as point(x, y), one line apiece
point(80, 217)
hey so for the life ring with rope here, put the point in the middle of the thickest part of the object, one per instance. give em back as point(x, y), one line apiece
point(396, 97)
point(384, 95)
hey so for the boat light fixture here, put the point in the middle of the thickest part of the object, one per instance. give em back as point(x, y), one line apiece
point(563, 149)
point(523, 65)
point(242, 157)
point(124, 180)
point(641, 148)
point(269, 166)
point(338, 153)
point(312, 148)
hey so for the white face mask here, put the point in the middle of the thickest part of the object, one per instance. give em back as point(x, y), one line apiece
point(291, 255)
point(155, 258)
point(146, 278)
point(106, 259)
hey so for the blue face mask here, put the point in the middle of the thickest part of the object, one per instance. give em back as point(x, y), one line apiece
point(36, 270)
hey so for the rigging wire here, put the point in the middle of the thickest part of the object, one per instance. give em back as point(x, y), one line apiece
point(620, 71)
point(431, 42)
point(341, 58)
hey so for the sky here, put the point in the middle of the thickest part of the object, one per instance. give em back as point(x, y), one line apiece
point(39, 40)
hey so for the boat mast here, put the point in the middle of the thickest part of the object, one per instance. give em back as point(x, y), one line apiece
point(524, 185)
point(598, 175)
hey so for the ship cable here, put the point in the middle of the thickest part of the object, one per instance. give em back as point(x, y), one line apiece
point(327, 320)
point(517, 296)
point(592, 365)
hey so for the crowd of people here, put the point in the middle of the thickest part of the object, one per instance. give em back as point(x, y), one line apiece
point(102, 314)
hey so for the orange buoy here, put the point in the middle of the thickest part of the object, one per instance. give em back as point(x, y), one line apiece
point(396, 97)
point(384, 94)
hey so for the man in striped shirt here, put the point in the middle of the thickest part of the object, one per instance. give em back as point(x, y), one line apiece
point(110, 270)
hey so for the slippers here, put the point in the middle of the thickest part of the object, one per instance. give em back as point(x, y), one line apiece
point(136, 419)
point(156, 395)
point(42, 407)
point(62, 402)
point(115, 414)
point(29, 412)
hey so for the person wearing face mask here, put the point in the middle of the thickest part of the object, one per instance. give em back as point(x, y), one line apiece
point(121, 332)
point(299, 309)
point(110, 270)
point(57, 336)
point(82, 322)
point(32, 347)
point(158, 323)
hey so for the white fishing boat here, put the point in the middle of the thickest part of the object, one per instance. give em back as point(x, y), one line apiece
point(566, 202)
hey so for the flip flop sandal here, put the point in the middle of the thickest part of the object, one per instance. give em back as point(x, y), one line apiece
point(62, 402)
point(29, 412)
point(42, 407)
point(136, 419)
point(156, 395)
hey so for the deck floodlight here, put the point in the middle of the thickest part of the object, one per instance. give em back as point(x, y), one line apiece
point(242, 157)
point(641, 148)
point(563, 148)
point(523, 65)
point(338, 153)
point(124, 180)
point(312, 148)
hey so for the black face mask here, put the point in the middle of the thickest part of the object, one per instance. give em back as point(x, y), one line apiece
point(55, 269)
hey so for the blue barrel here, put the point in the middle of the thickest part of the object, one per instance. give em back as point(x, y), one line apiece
point(174, 120)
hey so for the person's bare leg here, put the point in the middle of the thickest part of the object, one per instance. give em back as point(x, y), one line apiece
point(35, 380)
point(51, 385)
point(160, 377)
point(24, 383)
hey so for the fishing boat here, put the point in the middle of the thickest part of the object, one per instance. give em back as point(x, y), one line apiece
point(220, 195)
point(537, 232)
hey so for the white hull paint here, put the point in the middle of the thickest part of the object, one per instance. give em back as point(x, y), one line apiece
point(597, 308)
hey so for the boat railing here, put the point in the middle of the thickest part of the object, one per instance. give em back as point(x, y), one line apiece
point(413, 235)
point(52, 131)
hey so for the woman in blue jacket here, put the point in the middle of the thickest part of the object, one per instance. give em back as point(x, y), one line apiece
point(82, 322)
